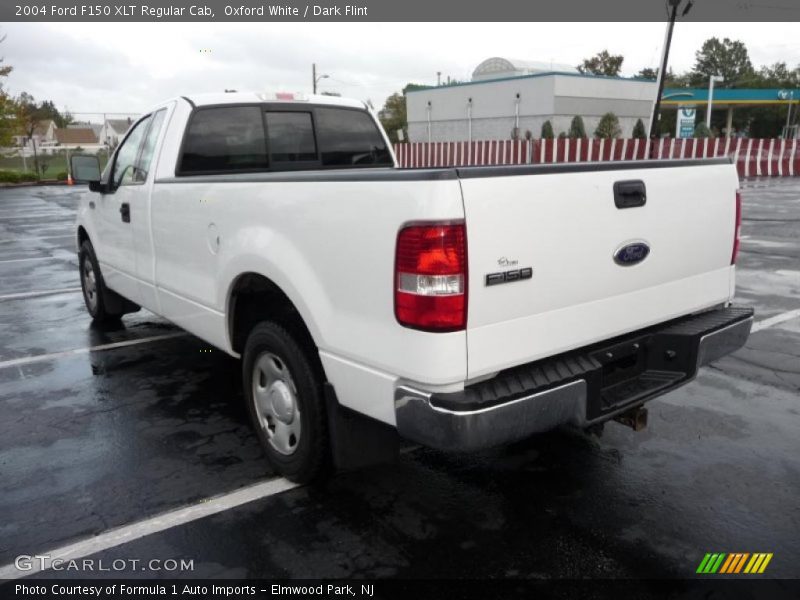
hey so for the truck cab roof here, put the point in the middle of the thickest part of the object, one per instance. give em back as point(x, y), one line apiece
point(209, 99)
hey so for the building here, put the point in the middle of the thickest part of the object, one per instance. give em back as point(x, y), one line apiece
point(114, 130)
point(44, 134)
point(729, 99)
point(507, 98)
point(96, 127)
point(73, 138)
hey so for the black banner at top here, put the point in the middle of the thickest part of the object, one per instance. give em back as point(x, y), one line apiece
point(399, 10)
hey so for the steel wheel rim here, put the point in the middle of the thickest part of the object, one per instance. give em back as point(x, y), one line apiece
point(89, 284)
point(275, 400)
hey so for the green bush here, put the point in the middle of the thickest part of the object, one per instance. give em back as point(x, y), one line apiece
point(608, 127)
point(547, 130)
point(61, 176)
point(577, 129)
point(17, 176)
point(562, 135)
point(702, 131)
point(638, 130)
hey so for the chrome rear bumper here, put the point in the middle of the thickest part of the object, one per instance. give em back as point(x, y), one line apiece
point(478, 418)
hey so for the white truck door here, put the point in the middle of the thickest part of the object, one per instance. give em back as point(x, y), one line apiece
point(142, 237)
point(118, 208)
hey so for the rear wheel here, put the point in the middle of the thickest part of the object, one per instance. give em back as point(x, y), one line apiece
point(95, 293)
point(283, 389)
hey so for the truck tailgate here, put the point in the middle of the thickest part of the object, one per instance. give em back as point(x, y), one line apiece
point(563, 223)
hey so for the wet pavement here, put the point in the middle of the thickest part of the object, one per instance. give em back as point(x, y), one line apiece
point(97, 440)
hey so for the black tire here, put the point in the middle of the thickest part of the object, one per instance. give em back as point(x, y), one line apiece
point(95, 292)
point(277, 353)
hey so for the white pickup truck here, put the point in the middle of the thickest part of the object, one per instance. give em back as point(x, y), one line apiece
point(460, 308)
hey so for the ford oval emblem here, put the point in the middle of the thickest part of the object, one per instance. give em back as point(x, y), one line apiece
point(631, 253)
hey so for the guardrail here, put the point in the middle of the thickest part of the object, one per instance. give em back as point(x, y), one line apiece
point(753, 157)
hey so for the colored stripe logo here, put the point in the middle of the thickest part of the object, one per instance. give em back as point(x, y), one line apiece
point(734, 563)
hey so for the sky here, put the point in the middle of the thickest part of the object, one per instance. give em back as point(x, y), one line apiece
point(126, 67)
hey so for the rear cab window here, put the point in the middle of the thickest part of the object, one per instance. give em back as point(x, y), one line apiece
point(350, 138)
point(265, 138)
point(224, 139)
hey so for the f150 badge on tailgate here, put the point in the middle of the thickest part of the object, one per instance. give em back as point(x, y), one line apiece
point(631, 253)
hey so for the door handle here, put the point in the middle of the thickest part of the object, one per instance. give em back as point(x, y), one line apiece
point(125, 211)
point(629, 194)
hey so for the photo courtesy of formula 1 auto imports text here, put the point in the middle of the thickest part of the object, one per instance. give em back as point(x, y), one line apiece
point(454, 299)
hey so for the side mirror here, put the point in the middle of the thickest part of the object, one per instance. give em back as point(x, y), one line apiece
point(85, 169)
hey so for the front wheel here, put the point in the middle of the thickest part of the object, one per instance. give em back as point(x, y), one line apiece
point(284, 394)
point(95, 293)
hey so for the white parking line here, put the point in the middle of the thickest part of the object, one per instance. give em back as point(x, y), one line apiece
point(13, 260)
point(26, 360)
point(39, 293)
point(65, 216)
point(36, 239)
point(168, 520)
point(781, 318)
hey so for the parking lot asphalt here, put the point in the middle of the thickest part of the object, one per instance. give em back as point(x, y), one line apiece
point(109, 428)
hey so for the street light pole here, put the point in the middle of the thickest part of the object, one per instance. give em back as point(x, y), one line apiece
point(315, 78)
point(712, 79)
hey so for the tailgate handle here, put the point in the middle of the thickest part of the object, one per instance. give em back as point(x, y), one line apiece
point(629, 194)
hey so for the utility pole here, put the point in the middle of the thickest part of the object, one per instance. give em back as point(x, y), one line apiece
point(315, 77)
point(654, 118)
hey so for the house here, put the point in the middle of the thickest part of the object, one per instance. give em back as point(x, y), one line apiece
point(114, 130)
point(73, 137)
point(44, 134)
point(96, 127)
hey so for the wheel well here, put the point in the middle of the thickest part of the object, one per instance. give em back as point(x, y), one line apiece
point(255, 298)
point(82, 236)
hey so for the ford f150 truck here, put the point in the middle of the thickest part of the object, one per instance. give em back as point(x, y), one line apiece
point(460, 308)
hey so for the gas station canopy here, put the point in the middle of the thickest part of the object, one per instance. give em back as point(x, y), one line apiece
point(728, 98)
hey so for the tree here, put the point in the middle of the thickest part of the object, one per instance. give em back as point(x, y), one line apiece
point(576, 128)
point(727, 58)
point(28, 115)
point(547, 130)
point(602, 63)
point(7, 106)
point(639, 130)
point(608, 127)
point(702, 131)
point(48, 110)
point(673, 80)
point(393, 116)
point(648, 73)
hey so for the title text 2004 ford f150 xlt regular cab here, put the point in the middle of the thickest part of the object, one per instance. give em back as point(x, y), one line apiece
point(461, 307)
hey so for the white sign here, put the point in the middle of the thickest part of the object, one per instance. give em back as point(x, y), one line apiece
point(684, 127)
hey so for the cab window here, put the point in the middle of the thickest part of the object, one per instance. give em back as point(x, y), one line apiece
point(350, 138)
point(125, 165)
point(149, 146)
point(224, 140)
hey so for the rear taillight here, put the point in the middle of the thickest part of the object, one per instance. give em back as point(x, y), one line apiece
point(737, 231)
point(430, 277)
